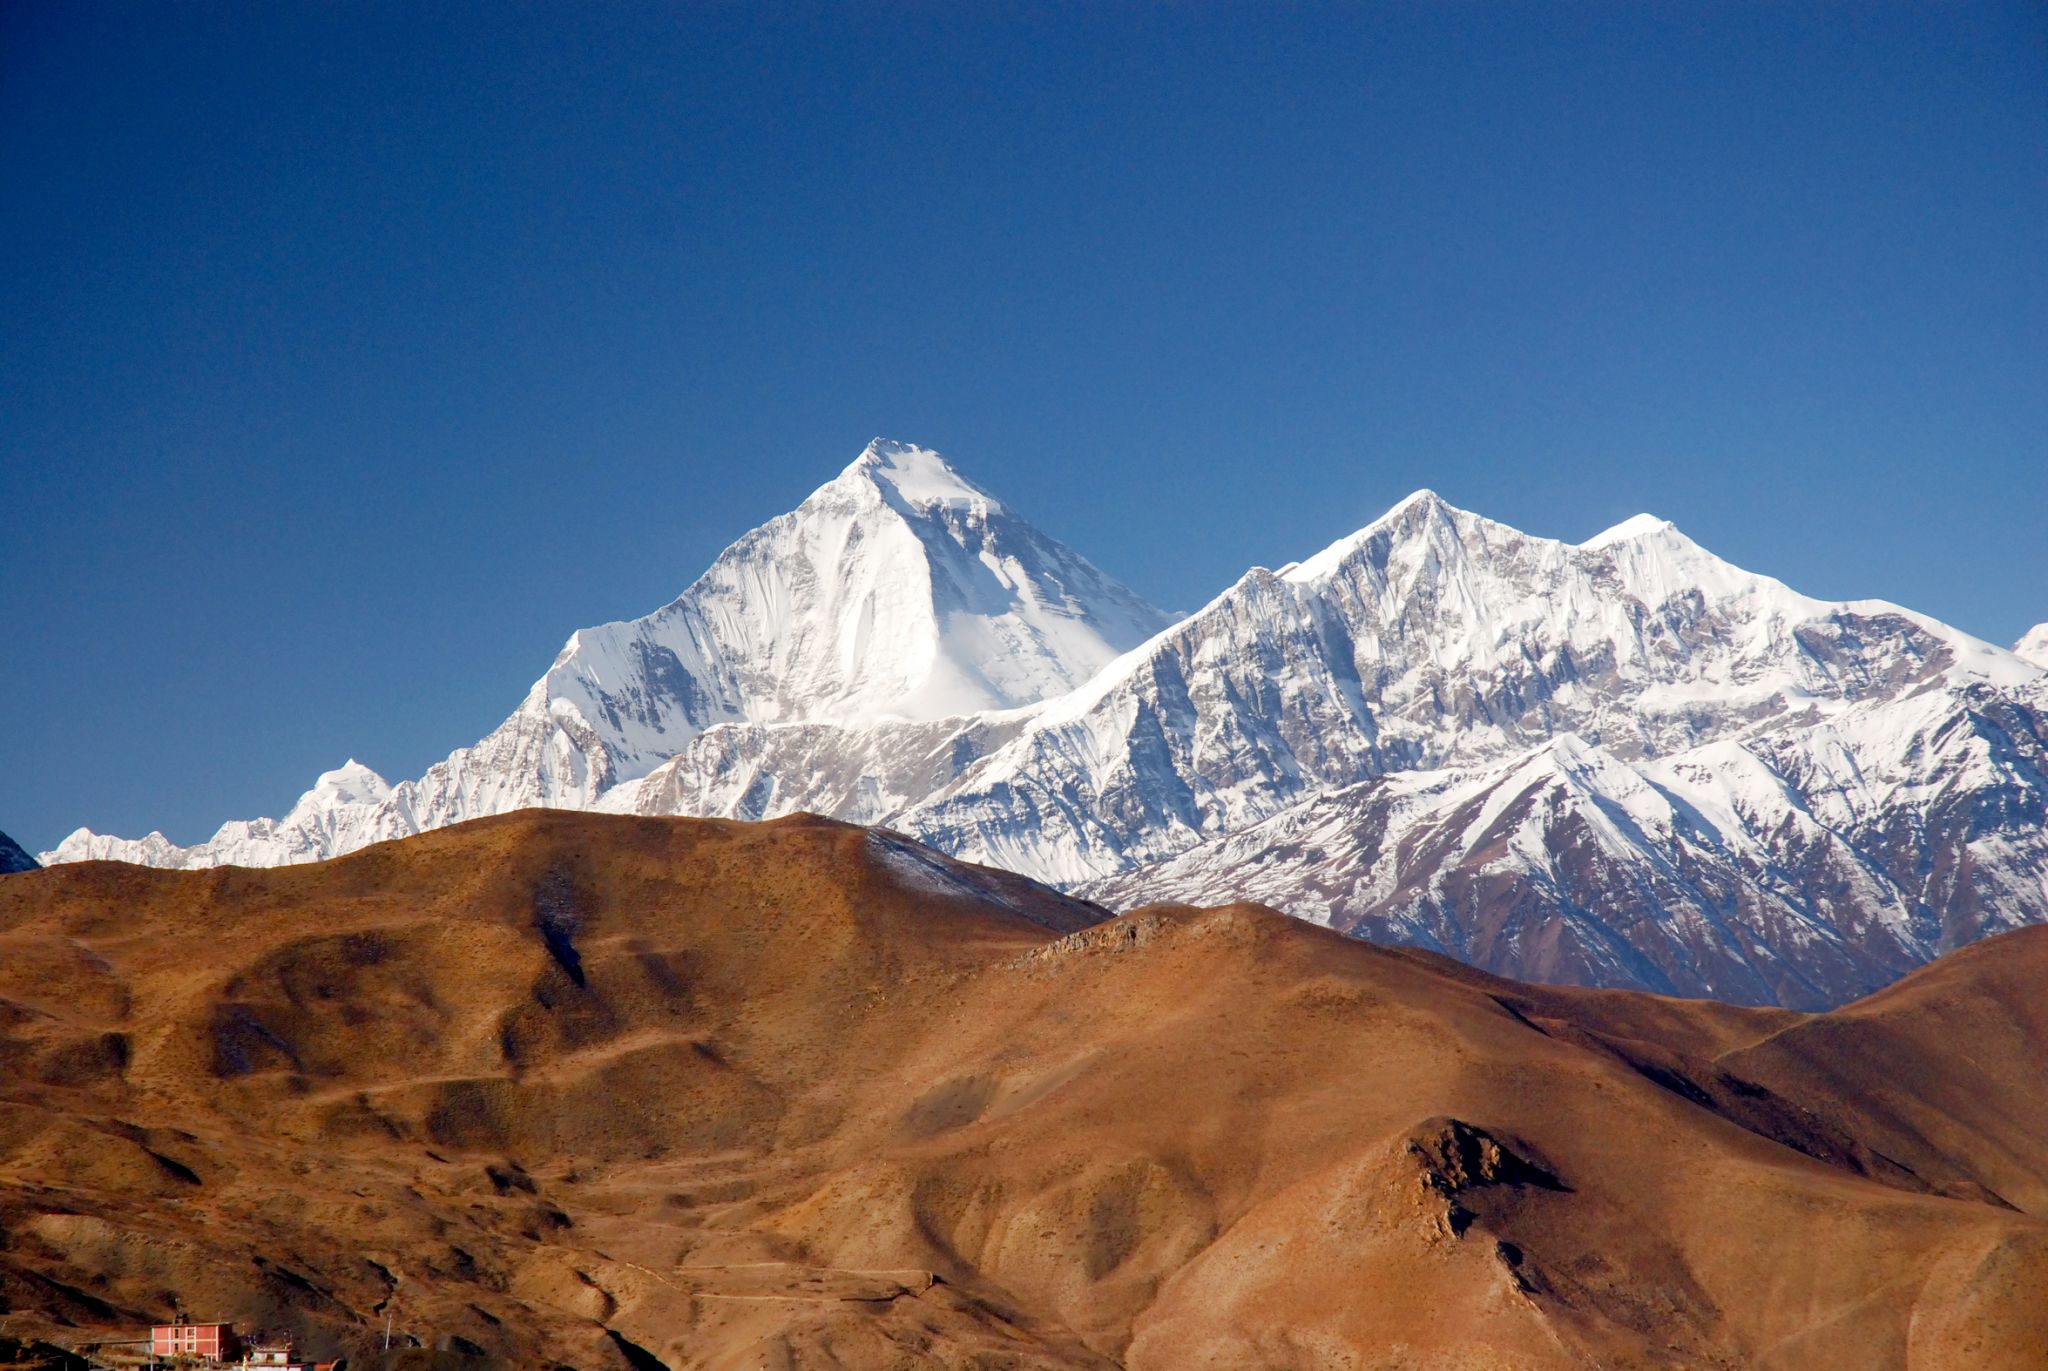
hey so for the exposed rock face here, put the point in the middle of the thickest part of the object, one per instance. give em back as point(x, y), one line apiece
point(1799, 867)
point(1457, 1158)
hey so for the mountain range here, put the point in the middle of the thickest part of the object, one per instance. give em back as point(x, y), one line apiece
point(1622, 762)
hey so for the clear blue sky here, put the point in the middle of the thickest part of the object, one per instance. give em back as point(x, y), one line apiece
point(352, 355)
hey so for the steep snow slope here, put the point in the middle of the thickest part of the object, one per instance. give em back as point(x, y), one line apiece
point(897, 591)
point(2033, 645)
point(1431, 638)
point(1800, 867)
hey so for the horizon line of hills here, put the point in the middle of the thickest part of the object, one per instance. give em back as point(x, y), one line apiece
point(570, 1090)
point(1622, 762)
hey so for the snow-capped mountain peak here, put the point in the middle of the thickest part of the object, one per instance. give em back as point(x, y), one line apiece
point(350, 783)
point(897, 591)
point(917, 477)
point(1430, 638)
point(1420, 510)
point(2033, 646)
point(1635, 526)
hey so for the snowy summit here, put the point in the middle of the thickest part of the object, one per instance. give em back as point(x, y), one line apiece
point(2033, 645)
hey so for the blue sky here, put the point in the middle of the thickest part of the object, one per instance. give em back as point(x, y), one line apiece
point(353, 355)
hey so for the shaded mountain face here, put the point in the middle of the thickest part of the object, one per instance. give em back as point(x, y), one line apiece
point(1621, 762)
point(13, 857)
point(591, 1091)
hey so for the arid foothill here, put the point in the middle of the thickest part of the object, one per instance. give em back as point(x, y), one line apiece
point(560, 1089)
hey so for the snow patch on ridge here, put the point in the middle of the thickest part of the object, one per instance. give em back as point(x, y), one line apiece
point(2033, 646)
point(351, 783)
point(916, 867)
point(1635, 526)
point(921, 476)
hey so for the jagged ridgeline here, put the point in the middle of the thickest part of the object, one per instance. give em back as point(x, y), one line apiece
point(1620, 762)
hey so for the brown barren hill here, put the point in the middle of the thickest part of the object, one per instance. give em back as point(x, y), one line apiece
point(572, 1090)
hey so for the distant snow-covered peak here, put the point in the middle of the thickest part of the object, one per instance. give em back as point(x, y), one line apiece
point(1425, 542)
point(1659, 563)
point(898, 590)
point(2033, 646)
point(918, 476)
point(1635, 526)
point(349, 783)
point(1412, 514)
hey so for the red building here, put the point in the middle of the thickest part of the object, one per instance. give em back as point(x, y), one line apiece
point(213, 1341)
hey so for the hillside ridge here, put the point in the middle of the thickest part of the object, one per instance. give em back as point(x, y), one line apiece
point(562, 1085)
